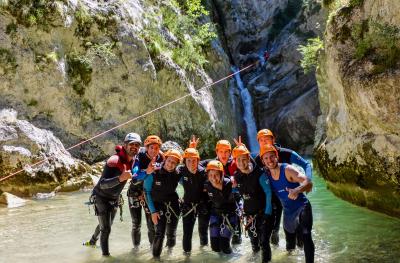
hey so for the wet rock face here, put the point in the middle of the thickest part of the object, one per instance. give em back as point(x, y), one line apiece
point(284, 98)
point(358, 141)
point(86, 67)
point(22, 144)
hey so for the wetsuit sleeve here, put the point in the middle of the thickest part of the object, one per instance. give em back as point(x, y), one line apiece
point(264, 182)
point(110, 177)
point(297, 159)
point(148, 185)
point(140, 174)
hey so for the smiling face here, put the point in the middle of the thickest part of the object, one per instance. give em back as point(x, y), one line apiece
point(153, 150)
point(263, 140)
point(170, 163)
point(191, 164)
point(270, 160)
point(214, 176)
point(243, 162)
point(131, 149)
point(223, 155)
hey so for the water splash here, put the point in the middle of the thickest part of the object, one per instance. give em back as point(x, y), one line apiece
point(248, 116)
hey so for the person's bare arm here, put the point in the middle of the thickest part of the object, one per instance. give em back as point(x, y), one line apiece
point(295, 176)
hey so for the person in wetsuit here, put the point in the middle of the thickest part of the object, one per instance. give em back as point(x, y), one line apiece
point(195, 199)
point(106, 193)
point(223, 219)
point(254, 187)
point(285, 155)
point(163, 200)
point(135, 193)
point(223, 150)
point(289, 185)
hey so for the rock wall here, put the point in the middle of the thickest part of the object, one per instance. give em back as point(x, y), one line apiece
point(358, 141)
point(285, 100)
point(81, 67)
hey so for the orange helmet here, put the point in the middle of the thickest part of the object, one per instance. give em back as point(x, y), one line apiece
point(215, 165)
point(152, 139)
point(173, 153)
point(191, 153)
point(223, 145)
point(240, 150)
point(268, 148)
point(264, 132)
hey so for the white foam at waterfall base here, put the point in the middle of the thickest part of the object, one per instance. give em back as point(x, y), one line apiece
point(248, 116)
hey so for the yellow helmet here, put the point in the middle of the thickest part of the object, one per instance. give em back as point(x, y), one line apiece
point(240, 150)
point(223, 145)
point(268, 148)
point(215, 165)
point(152, 139)
point(191, 153)
point(264, 132)
point(173, 153)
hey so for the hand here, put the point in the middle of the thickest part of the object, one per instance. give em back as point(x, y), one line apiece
point(125, 176)
point(193, 142)
point(233, 181)
point(152, 166)
point(293, 193)
point(238, 141)
point(155, 217)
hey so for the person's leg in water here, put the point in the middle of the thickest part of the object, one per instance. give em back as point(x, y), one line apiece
point(150, 225)
point(94, 238)
point(265, 229)
point(237, 236)
point(106, 214)
point(305, 226)
point(136, 215)
point(172, 225)
point(203, 225)
point(215, 222)
point(188, 225)
point(253, 232)
point(290, 240)
point(226, 234)
point(159, 235)
point(277, 215)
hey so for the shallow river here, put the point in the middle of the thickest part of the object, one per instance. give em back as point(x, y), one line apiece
point(53, 230)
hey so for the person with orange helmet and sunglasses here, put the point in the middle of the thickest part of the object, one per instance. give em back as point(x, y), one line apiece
point(223, 219)
point(195, 199)
point(163, 200)
point(223, 150)
point(290, 185)
point(136, 201)
point(285, 155)
point(254, 187)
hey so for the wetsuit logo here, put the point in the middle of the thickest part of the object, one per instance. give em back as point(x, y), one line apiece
point(158, 183)
point(210, 194)
point(185, 178)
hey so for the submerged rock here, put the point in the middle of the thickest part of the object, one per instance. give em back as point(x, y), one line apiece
point(358, 141)
point(22, 145)
point(11, 200)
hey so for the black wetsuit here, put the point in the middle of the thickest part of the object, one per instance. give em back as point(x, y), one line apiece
point(160, 189)
point(223, 219)
point(256, 193)
point(136, 201)
point(229, 170)
point(195, 204)
point(107, 195)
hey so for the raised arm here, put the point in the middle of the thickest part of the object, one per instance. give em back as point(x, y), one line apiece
point(295, 176)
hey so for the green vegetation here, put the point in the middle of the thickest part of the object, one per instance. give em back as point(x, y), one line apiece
point(175, 31)
point(7, 61)
point(379, 43)
point(32, 12)
point(32, 102)
point(85, 22)
point(310, 53)
point(103, 51)
point(79, 72)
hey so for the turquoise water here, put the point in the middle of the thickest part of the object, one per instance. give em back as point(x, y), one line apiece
point(53, 230)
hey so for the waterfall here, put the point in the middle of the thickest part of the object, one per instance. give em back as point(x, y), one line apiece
point(248, 116)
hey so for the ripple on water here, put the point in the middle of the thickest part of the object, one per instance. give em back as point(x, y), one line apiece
point(54, 229)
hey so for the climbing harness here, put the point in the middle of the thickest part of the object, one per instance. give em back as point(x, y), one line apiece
point(226, 224)
point(91, 202)
point(168, 212)
point(193, 209)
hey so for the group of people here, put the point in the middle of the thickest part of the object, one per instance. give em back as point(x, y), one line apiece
point(224, 194)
